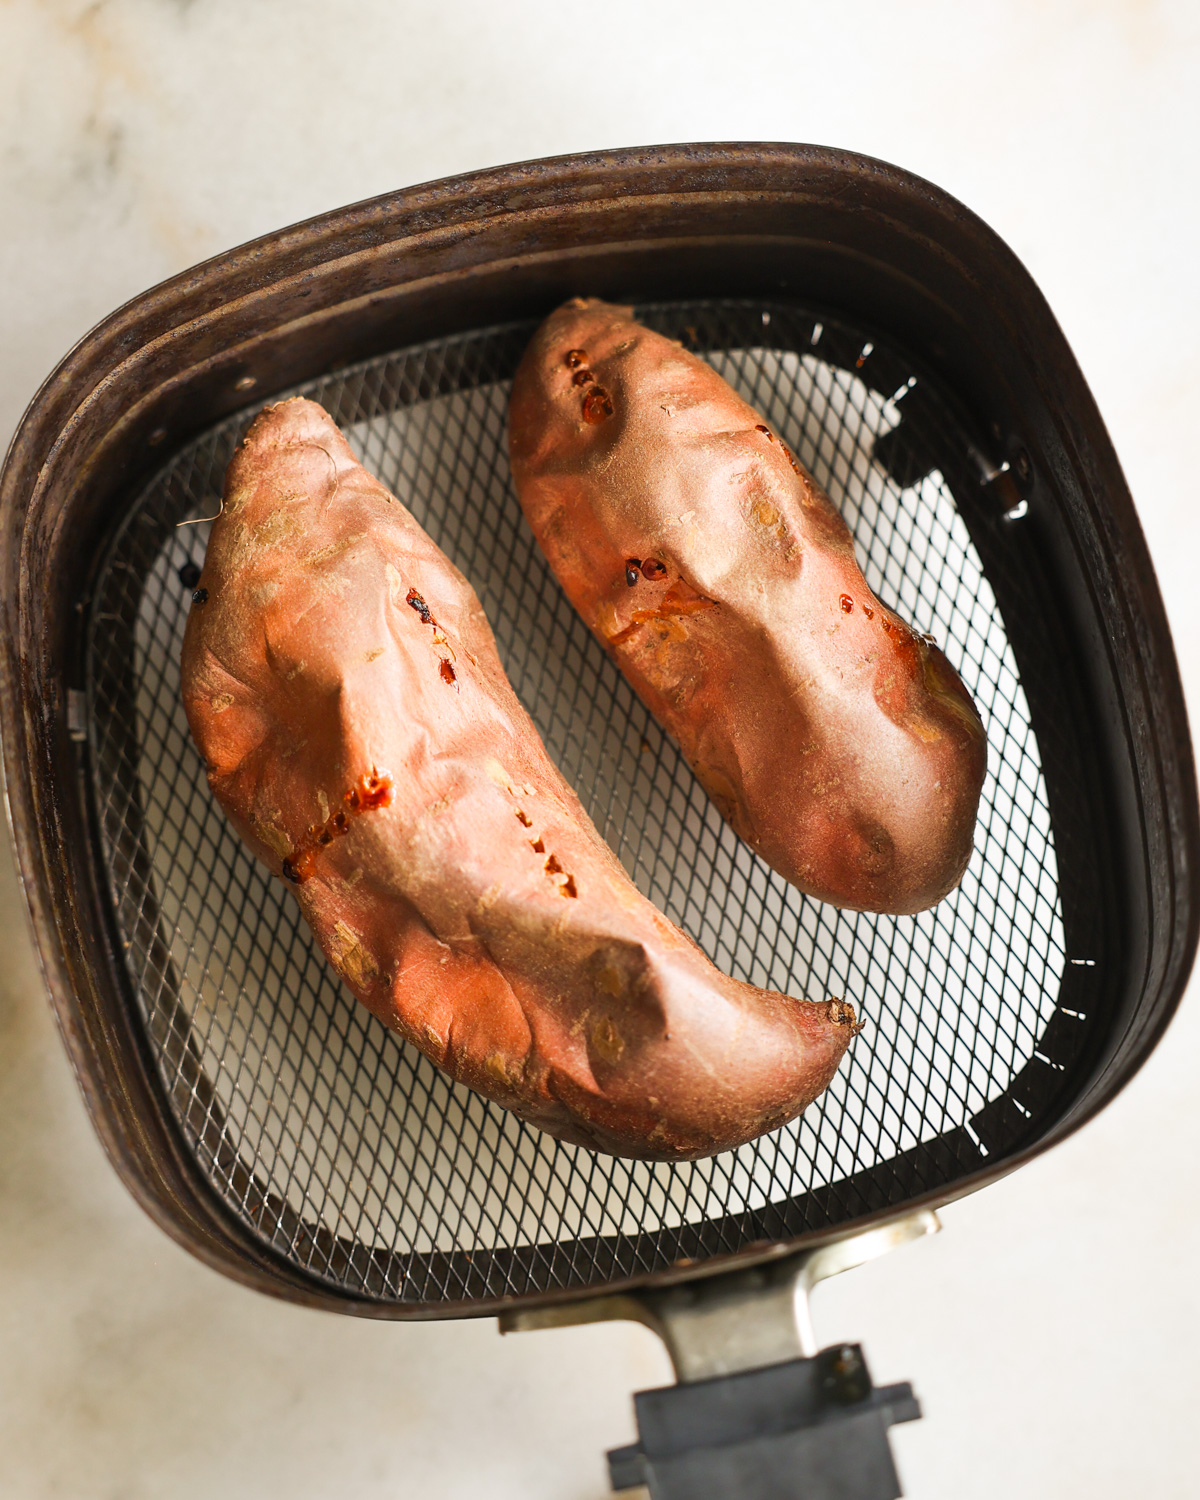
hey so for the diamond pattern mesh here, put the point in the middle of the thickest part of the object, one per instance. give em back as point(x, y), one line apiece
point(346, 1150)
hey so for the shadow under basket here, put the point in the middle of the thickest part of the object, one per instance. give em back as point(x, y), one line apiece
point(261, 1115)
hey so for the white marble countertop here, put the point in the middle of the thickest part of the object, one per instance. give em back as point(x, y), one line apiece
point(1052, 1330)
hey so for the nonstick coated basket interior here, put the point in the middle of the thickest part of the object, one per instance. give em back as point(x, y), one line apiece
point(347, 1151)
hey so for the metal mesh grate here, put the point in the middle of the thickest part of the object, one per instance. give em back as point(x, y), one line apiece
point(347, 1150)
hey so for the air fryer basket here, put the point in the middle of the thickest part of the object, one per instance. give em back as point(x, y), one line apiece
point(349, 1151)
point(260, 1114)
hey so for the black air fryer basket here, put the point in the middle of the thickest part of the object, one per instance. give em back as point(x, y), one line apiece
point(264, 1119)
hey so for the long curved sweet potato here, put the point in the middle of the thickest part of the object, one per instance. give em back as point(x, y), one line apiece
point(343, 685)
point(840, 745)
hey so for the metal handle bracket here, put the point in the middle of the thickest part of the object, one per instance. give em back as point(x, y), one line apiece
point(739, 1320)
point(758, 1413)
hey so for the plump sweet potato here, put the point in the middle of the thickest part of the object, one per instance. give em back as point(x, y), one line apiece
point(343, 685)
point(841, 745)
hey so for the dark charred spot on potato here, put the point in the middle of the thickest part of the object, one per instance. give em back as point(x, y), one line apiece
point(597, 405)
point(414, 601)
point(290, 872)
point(523, 818)
point(339, 822)
point(538, 846)
point(632, 564)
point(582, 377)
point(552, 866)
point(759, 427)
point(888, 627)
point(189, 575)
point(847, 604)
point(447, 672)
point(568, 887)
point(841, 1013)
point(868, 611)
point(574, 358)
point(652, 568)
point(200, 596)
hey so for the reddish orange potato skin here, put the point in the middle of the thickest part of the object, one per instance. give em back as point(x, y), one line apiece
point(476, 911)
point(838, 743)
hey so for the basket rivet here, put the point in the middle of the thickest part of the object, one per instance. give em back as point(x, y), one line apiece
point(247, 382)
point(156, 437)
point(845, 1374)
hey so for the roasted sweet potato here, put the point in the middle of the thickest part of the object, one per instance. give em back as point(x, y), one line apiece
point(344, 689)
point(839, 743)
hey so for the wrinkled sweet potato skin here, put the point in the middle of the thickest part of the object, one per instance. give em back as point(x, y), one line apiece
point(343, 686)
point(840, 745)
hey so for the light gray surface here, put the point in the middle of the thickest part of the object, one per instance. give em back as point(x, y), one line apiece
point(1051, 1329)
